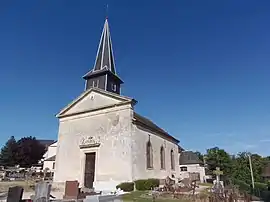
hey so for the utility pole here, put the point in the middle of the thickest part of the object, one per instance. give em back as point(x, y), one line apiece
point(251, 171)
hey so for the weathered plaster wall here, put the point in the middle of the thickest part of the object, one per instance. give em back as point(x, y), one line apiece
point(193, 168)
point(140, 138)
point(113, 157)
point(92, 101)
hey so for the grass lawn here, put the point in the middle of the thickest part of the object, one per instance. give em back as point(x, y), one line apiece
point(25, 184)
point(206, 184)
point(136, 196)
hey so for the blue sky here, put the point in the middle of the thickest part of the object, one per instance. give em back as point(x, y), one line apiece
point(199, 69)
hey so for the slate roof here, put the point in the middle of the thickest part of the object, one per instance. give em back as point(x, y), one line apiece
point(189, 157)
point(104, 58)
point(52, 158)
point(152, 126)
point(46, 143)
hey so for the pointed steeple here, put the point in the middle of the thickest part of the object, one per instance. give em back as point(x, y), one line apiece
point(103, 75)
point(104, 58)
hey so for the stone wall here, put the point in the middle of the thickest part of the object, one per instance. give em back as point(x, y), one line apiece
point(111, 127)
point(140, 138)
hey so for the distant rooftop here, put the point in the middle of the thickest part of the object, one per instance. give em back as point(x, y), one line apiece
point(189, 157)
point(46, 143)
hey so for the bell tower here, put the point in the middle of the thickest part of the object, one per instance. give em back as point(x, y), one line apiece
point(103, 75)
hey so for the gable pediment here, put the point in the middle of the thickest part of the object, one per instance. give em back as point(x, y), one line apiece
point(93, 99)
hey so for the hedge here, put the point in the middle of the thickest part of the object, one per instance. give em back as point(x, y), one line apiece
point(243, 186)
point(146, 184)
point(259, 188)
point(126, 186)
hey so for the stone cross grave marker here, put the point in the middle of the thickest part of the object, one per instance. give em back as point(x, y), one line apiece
point(15, 194)
point(218, 188)
point(218, 172)
point(42, 192)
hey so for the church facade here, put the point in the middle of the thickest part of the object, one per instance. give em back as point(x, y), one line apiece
point(102, 141)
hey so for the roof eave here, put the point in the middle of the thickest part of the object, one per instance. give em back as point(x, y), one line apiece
point(135, 121)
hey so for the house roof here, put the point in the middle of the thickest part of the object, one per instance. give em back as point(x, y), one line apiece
point(152, 126)
point(52, 158)
point(46, 143)
point(189, 157)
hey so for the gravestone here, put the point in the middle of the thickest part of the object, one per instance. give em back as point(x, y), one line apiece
point(71, 190)
point(42, 192)
point(15, 194)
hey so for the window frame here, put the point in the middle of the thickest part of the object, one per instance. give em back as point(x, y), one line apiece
point(149, 155)
point(162, 158)
point(172, 159)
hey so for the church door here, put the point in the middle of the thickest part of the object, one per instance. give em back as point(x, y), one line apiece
point(89, 173)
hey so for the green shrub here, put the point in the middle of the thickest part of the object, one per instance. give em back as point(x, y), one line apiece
point(146, 184)
point(260, 186)
point(126, 186)
point(242, 185)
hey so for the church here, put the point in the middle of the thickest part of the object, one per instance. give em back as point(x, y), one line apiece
point(102, 141)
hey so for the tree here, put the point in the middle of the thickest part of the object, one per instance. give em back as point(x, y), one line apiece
point(241, 167)
point(200, 155)
point(30, 151)
point(216, 157)
point(8, 156)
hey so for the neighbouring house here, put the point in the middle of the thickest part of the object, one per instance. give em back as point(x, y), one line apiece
point(49, 158)
point(266, 172)
point(191, 166)
point(46, 143)
point(102, 141)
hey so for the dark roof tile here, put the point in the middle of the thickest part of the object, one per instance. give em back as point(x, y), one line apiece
point(189, 157)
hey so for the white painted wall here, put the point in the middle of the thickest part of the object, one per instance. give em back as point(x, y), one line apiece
point(193, 168)
point(93, 100)
point(121, 156)
point(51, 151)
point(113, 156)
point(49, 164)
point(140, 138)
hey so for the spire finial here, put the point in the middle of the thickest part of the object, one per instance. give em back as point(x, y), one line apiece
point(107, 11)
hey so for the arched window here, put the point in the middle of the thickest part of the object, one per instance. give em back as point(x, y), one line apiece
point(162, 158)
point(172, 160)
point(149, 155)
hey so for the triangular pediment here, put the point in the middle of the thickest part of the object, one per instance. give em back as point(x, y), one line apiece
point(93, 99)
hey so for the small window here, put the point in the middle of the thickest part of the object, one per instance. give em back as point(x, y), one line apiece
point(95, 83)
point(53, 166)
point(113, 87)
point(183, 168)
point(149, 155)
point(162, 158)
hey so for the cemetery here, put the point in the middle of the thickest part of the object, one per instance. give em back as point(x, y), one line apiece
point(149, 190)
point(107, 152)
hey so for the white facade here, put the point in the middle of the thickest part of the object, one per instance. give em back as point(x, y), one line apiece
point(49, 157)
point(185, 171)
point(102, 122)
